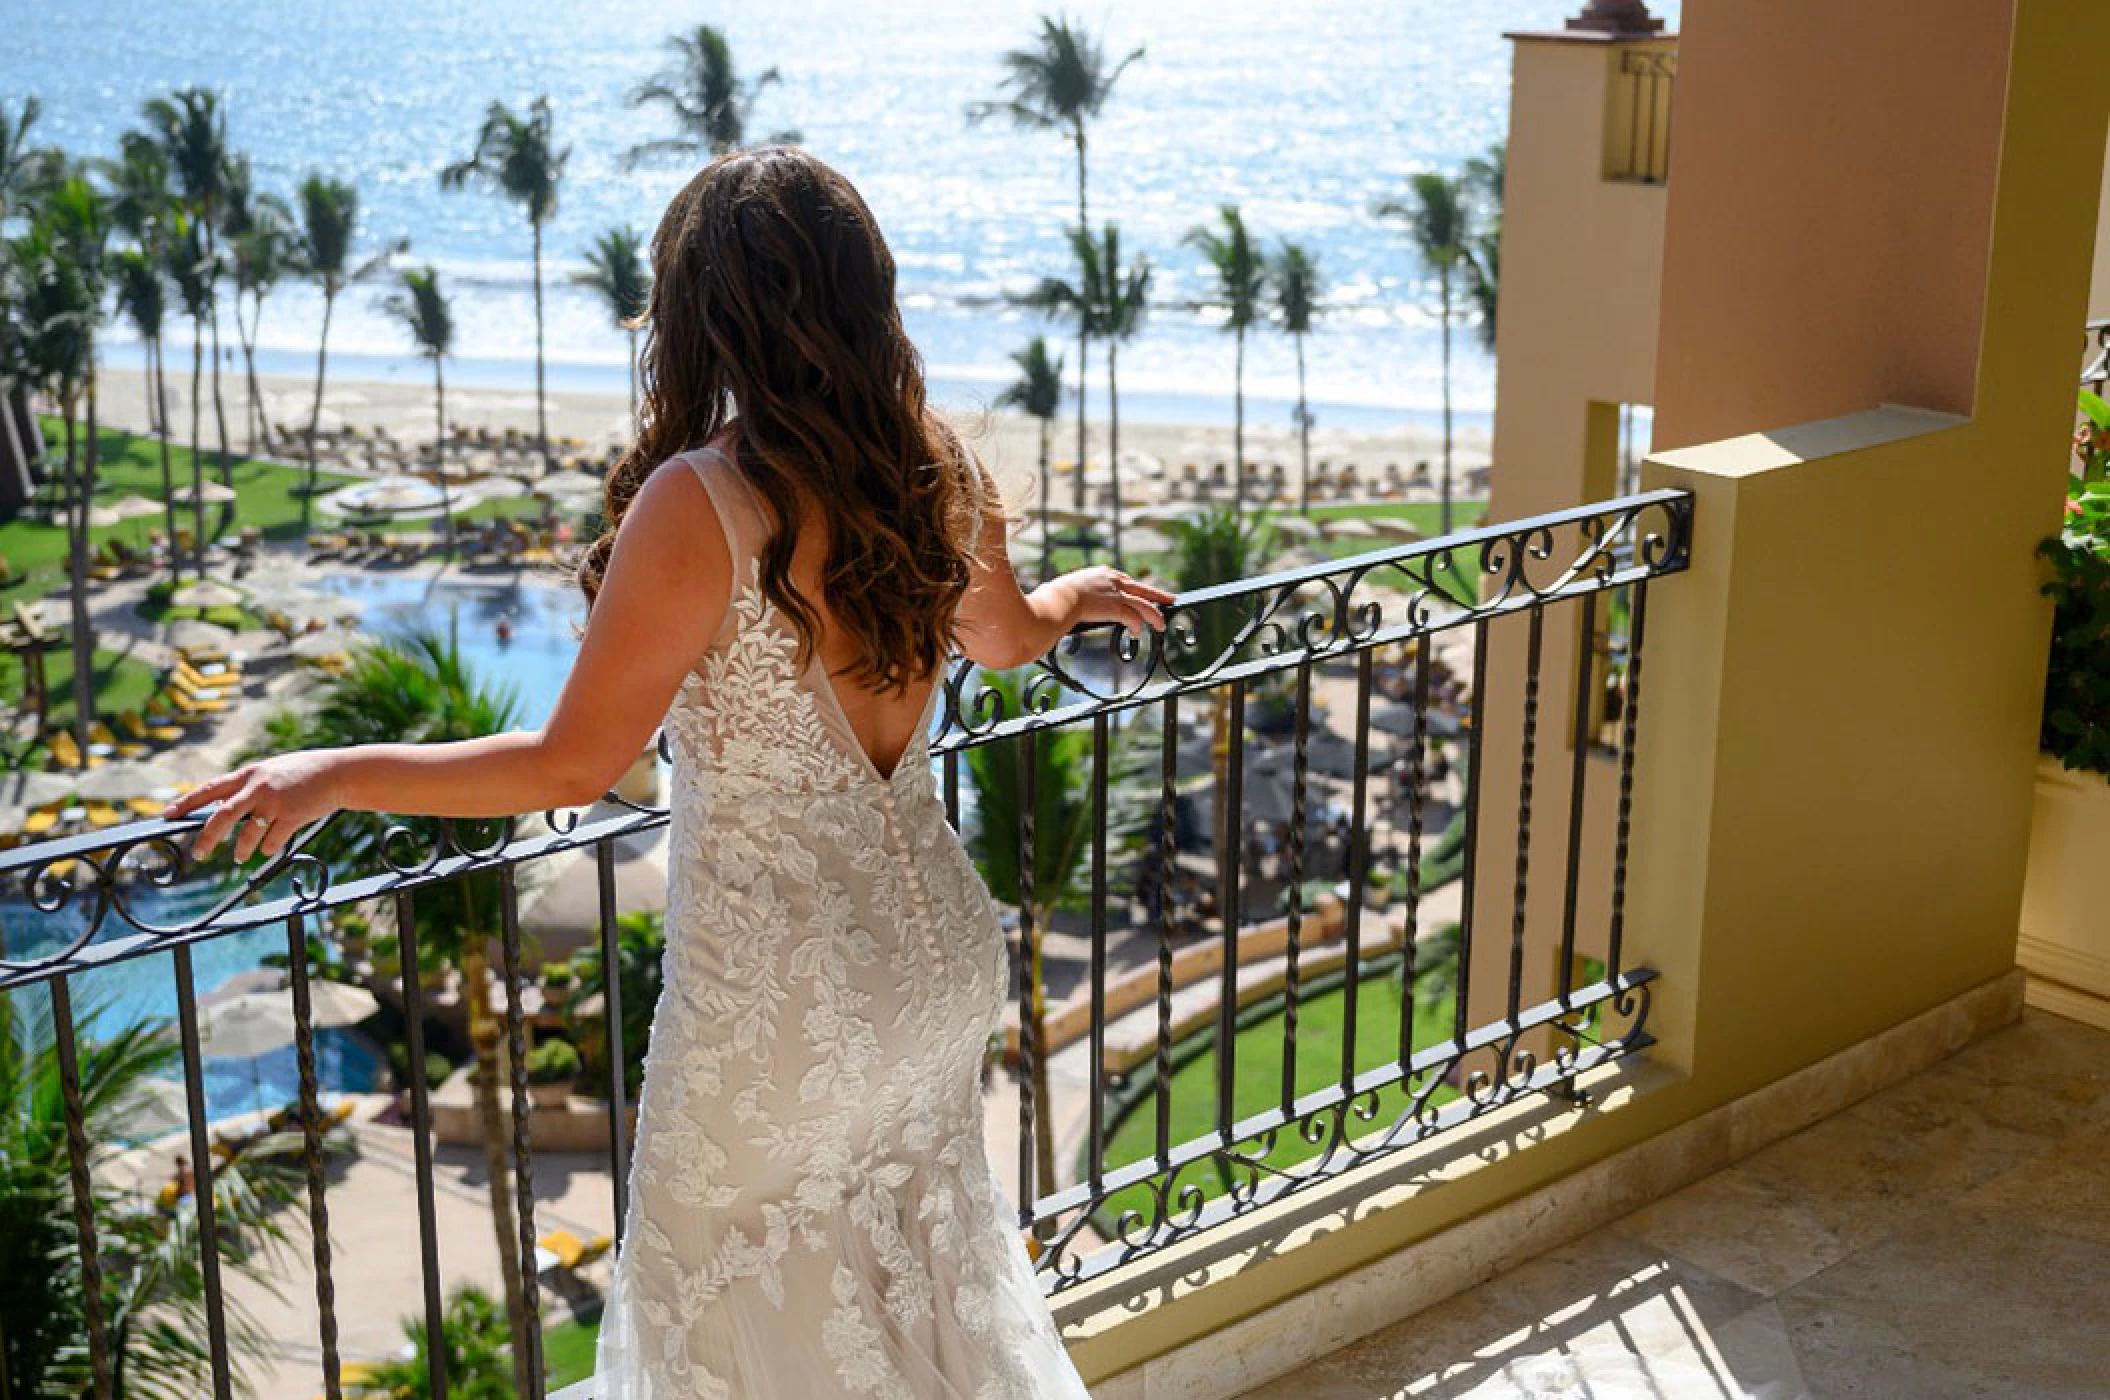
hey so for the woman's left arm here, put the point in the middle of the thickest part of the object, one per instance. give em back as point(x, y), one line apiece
point(661, 602)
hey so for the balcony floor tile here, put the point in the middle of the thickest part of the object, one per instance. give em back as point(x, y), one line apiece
point(1946, 1238)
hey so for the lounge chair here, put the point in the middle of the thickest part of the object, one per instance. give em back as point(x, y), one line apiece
point(44, 820)
point(139, 729)
point(569, 1254)
point(101, 733)
point(67, 754)
point(226, 678)
point(183, 708)
point(102, 815)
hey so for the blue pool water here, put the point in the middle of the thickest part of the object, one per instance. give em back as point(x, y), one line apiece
point(544, 617)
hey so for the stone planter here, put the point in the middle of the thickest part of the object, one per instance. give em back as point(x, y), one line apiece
point(2065, 938)
point(553, 1095)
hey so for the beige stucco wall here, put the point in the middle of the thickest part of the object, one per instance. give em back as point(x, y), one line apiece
point(2099, 294)
point(1839, 261)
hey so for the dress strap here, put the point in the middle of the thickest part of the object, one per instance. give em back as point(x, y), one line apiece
point(731, 498)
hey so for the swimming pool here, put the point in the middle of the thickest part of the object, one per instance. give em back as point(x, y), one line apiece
point(541, 616)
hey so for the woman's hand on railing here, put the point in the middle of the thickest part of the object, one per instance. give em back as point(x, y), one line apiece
point(270, 800)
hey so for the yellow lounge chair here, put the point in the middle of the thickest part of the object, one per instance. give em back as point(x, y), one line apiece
point(102, 814)
point(196, 679)
point(101, 734)
point(144, 806)
point(139, 729)
point(42, 821)
point(186, 699)
point(183, 709)
point(572, 1253)
point(67, 754)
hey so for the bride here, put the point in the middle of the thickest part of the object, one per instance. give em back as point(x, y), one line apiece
point(797, 546)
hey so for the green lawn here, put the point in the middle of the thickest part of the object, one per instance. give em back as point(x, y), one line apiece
point(567, 1352)
point(121, 683)
point(131, 465)
point(1321, 1028)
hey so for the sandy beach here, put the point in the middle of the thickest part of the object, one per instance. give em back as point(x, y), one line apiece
point(1008, 442)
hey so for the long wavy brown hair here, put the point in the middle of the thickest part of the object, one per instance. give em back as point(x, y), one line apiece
point(772, 313)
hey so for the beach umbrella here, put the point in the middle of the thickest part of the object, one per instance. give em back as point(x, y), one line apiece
point(339, 1003)
point(492, 488)
point(212, 493)
point(117, 782)
point(316, 646)
point(1295, 527)
point(563, 905)
point(26, 788)
point(244, 1027)
point(206, 593)
point(568, 485)
point(1060, 518)
point(154, 1108)
point(130, 507)
point(1395, 528)
point(1347, 527)
point(101, 517)
point(197, 632)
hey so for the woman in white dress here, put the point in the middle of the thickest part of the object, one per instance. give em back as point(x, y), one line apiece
point(797, 547)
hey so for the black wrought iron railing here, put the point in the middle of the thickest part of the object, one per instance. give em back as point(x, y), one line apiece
point(1637, 129)
point(2095, 372)
point(1244, 1019)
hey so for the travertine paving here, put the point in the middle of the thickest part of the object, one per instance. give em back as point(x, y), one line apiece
point(1946, 1238)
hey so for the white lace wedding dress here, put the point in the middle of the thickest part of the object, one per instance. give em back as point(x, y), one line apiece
point(812, 1209)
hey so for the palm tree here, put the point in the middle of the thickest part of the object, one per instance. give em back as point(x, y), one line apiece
point(154, 1294)
point(1216, 546)
point(329, 219)
point(1108, 301)
point(192, 130)
point(1124, 300)
point(617, 271)
point(1037, 393)
point(1294, 279)
point(142, 298)
point(420, 689)
point(261, 248)
point(517, 157)
point(1439, 221)
point(140, 204)
point(1241, 280)
point(1062, 843)
point(1060, 83)
point(62, 264)
point(190, 268)
point(1486, 177)
point(18, 159)
point(424, 311)
point(703, 93)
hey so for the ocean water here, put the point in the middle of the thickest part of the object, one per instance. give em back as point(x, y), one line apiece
point(1301, 114)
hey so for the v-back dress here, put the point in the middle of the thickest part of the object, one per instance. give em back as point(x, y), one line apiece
point(812, 1209)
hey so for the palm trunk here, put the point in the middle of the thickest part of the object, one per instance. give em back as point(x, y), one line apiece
point(1238, 429)
point(483, 1036)
point(541, 394)
point(322, 363)
point(1113, 442)
point(155, 421)
point(77, 575)
point(219, 401)
point(1047, 547)
point(633, 382)
point(1444, 283)
point(197, 446)
point(1084, 338)
point(1043, 1116)
point(1303, 432)
point(168, 481)
point(439, 451)
point(259, 429)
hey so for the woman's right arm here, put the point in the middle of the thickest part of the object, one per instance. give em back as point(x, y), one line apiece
point(1001, 625)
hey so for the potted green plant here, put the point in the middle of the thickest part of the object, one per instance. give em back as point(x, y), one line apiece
point(2065, 941)
point(558, 979)
point(552, 1066)
point(354, 934)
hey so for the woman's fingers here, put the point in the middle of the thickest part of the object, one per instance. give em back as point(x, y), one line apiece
point(203, 793)
point(220, 823)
